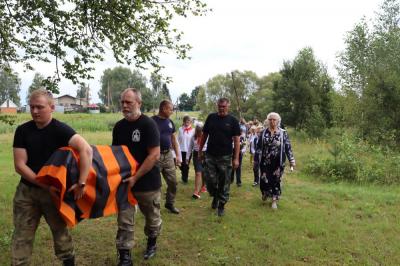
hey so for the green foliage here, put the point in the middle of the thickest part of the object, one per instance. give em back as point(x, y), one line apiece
point(184, 103)
point(165, 92)
point(316, 224)
point(83, 92)
point(188, 103)
point(9, 85)
point(260, 102)
point(354, 160)
point(315, 125)
point(369, 68)
point(37, 83)
point(115, 80)
point(8, 119)
point(76, 32)
point(237, 86)
point(303, 94)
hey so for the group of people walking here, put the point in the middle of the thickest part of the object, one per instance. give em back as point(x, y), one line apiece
point(217, 150)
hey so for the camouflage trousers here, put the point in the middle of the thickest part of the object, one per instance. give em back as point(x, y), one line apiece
point(30, 204)
point(168, 171)
point(217, 173)
point(149, 205)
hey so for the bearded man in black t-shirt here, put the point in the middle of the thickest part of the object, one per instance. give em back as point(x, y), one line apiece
point(141, 135)
point(221, 129)
point(34, 143)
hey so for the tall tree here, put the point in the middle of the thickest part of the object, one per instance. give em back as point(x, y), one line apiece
point(369, 66)
point(83, 93)
point(115, 80)
point(73, 33)
point(193, 97)
point(236, 86)
point(260, 103)
point(302, 95)
point(9, 86)
point(156, 85)
point(37, 83)
point(165, 92)
point(185, 103)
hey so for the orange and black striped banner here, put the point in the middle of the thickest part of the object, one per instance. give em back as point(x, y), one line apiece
point(105, 193)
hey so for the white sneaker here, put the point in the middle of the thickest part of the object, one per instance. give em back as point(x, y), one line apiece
point(274, 205)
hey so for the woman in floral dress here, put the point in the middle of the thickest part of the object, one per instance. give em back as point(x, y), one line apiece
point(273, 147)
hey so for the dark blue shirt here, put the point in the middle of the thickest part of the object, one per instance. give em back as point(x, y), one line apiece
point(166, 128)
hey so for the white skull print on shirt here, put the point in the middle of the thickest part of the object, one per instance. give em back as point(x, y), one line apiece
point(136, 135)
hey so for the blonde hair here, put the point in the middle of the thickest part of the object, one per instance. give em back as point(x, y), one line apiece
point(42, 92)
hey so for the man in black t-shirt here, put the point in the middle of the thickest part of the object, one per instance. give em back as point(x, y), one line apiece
point(141, 135)
point(34, 143)
point(221, 129)
point(167, 162)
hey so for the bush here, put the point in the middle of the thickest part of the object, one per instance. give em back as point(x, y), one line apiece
point(353, 160)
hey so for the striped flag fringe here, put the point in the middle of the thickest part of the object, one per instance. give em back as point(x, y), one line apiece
point(105, 193)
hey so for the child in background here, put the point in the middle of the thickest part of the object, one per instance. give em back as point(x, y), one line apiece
point(238, 170)
point(252, 148)
point(197, 163)
point(255, 164)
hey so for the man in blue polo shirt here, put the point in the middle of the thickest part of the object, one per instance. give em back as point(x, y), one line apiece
point(166, 162)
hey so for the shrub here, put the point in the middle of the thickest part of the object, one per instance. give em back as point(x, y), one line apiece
point(351, 159)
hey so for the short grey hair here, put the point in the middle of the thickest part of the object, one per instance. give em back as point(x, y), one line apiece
point(275, 115)
point(135, 91)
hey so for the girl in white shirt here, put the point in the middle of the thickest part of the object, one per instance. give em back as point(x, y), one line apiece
point(185, 134)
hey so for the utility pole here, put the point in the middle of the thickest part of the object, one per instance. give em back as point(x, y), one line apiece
point(237, 96)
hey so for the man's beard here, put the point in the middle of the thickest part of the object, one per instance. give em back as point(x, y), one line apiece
point(133, 115)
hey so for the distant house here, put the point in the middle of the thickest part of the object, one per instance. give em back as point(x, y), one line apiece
point(71, 103)
point(8, 107)
point(93, 108)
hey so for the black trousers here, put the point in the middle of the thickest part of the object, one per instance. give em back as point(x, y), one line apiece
point(185, 167)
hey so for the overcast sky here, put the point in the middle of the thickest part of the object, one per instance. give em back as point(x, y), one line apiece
point(256, 35)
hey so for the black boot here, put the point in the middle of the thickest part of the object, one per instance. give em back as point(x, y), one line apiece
point(124, 256)
point(69, 262)
point(151, 248)
point(214, 203)
point(171, 208)
point(221, 209)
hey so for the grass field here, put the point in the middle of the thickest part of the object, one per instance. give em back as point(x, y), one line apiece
point(316, 223)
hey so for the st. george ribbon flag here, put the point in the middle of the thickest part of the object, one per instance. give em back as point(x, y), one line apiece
point(105, 192)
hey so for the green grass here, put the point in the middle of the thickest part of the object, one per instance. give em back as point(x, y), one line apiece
point(87, 122)
point(317, 223)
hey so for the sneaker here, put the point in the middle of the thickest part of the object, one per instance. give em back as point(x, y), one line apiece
point(203, 189)
point(172, 208)
point(214, 203)
point(196, 196)
point(274, 205)
point(255, 184)
point(239, 184)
